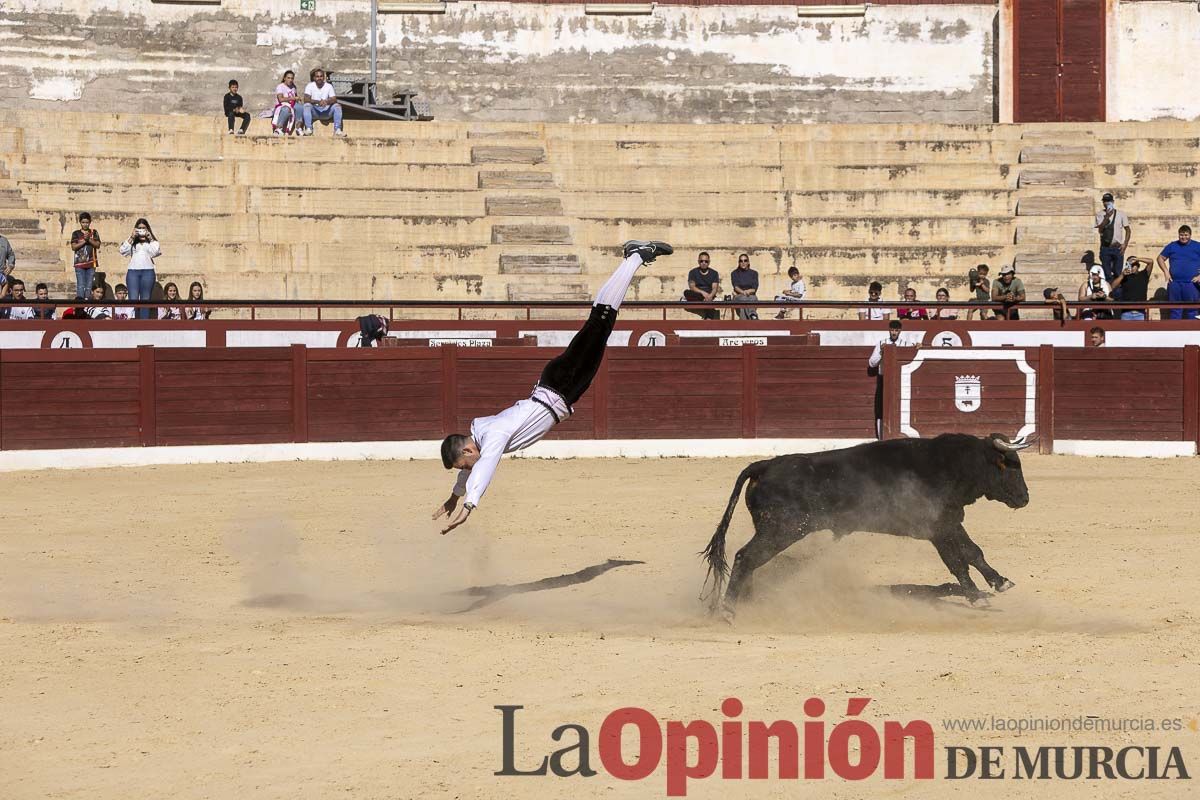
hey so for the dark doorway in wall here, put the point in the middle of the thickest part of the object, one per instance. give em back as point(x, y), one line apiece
point(1058, 60)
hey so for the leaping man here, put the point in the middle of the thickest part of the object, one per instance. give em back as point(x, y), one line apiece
point(563, 382)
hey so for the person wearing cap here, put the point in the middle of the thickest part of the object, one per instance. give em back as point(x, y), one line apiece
point(1009, 290)
point(1095, 289)
point(1113, 226)
point(1053, 296)
point(1132, 285)
point(1184, 273)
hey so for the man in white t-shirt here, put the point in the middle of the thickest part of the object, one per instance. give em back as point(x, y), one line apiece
point(18, 296)
point(874, 312)
point(562, 383)
point(320, 102)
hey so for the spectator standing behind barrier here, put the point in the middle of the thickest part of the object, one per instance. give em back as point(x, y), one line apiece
point(911, 312)
point(1113, 226)
point(873, 311)
point(8, 259)
point(893, 338)
point(171, 295)
point(981, 290)
point(283, 118)
point(1097, 337)
point(141, 248)
point(1132, 284)
point(41, 293)
point(320, 102)
point(86, 243)
point(745, 286)
point(703, 285)
point(794, 294)
point(1095, 289)
point(1184, 273)
point(121, 293)
point(196, 295)
point(943, 296)
point(1010, 291)
point(235, 109)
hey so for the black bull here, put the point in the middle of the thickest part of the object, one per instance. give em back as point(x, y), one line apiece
point(905, 487)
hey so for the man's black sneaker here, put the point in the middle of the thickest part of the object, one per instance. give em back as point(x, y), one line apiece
point(648, 250)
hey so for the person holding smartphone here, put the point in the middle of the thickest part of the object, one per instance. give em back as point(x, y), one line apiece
point(141, 248)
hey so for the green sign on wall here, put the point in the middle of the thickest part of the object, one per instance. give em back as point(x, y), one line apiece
point(308, 5)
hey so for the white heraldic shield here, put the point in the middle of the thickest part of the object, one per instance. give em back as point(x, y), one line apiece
point(968, 393)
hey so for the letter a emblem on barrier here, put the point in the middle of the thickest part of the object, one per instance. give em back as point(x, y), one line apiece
point(968, 393)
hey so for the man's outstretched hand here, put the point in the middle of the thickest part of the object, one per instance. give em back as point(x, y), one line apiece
point(446, 509)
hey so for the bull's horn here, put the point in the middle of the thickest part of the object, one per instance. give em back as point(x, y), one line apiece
point(1011, 447)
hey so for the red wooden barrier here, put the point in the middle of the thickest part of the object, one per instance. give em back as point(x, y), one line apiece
point(176, 396)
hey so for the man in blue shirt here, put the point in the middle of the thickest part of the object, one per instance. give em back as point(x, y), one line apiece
point(1184, 275)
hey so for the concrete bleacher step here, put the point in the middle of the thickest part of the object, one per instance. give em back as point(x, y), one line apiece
point(1070, 230)
point(526, 264)
point(12, 198)
point(548, 291)
point(866, 231)
point(523, 206)
point(1057, 153)
point(1149, 150)
point(514, 179)
point(1062, 179)
point(804, 176)
point(1111, 177)
point(1055, 205)
point(535, 234)
point(885, 203)
point(507, 154)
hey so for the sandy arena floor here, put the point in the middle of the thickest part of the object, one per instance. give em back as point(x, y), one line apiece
point(289, 631)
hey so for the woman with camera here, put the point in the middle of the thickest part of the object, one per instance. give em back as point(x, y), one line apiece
point(142, 248)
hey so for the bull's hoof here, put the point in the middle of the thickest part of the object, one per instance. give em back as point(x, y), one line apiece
point(726, 614)
point(1004, 585)
point(978, 598)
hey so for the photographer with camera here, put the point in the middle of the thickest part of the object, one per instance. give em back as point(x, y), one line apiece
point(141, 248)
point(1096, 289)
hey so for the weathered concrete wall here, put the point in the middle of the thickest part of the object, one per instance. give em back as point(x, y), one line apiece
point(1151, 74)
point(506, 61)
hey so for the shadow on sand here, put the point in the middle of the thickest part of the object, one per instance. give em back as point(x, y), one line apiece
point(491, 594)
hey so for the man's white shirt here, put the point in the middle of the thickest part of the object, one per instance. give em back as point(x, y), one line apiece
point(514, 428)
point(316, 93)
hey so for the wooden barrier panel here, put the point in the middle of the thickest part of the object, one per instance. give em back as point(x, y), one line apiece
point(177, 396)
point(816, 392)
point(1120, 394)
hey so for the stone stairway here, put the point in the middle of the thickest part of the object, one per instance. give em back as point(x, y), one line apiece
point(1054, 206)
point(528, 222)
point(38, 258)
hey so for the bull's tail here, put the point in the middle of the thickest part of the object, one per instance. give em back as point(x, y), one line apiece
point(718, 567)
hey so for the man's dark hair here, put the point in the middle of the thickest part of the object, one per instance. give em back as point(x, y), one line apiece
point(793, 269)
point(234, 83)
point(703, 253)
point(1185, 229)
point(85, 215)
point(895, 325)
point(41, 286)
point(120, 287)
point(1096, 329)
point(984, 268)
point(17, 282)
point(875, 286)
point(452, 448)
